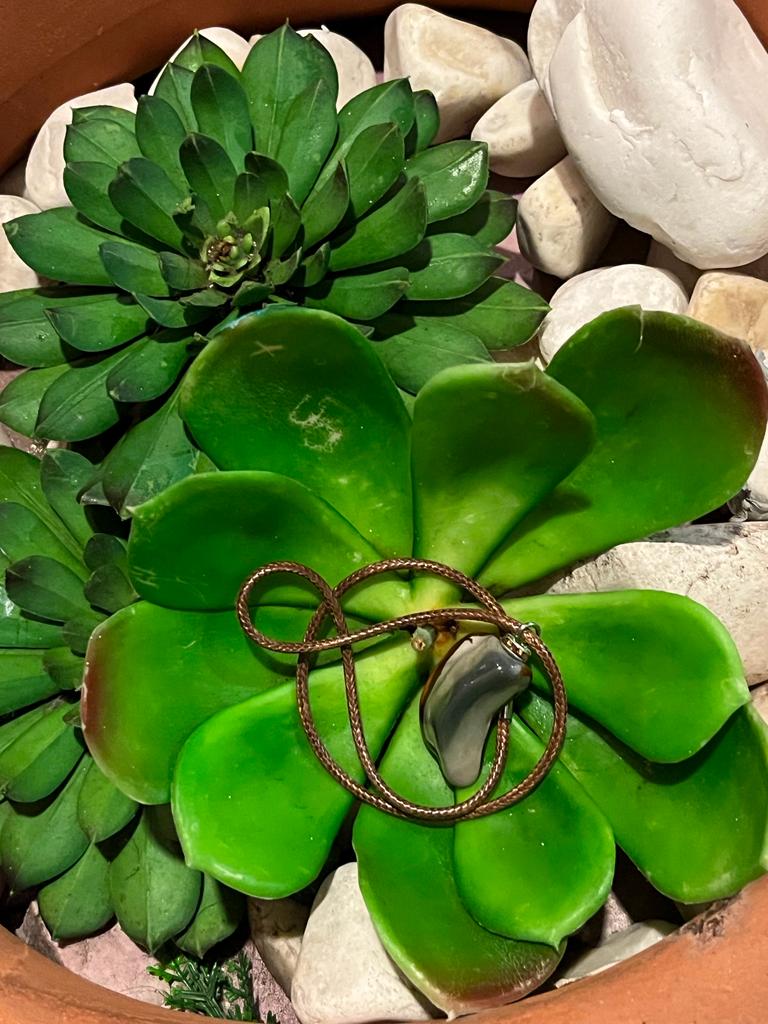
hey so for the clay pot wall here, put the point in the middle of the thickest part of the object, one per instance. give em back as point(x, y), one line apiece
point(714, 970)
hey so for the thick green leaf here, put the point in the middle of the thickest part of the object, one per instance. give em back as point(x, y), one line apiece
point(77, 631)
point(374, 163)
point(175, 87)
point(102, 809)
point(103, 322)
point(104, 112)
point(77, 406)
point(221, 109)
point(144, 194)
point(448, 266)
point(407, 878)
point(160, 133)
point(21, 397)
point(154, 675)
point(389, 231)
point(11, 730)
point(388, 103)
point(542, 868)
point(307, 138)
point(279, 272)
point(415, 349)
point(255, 760)
point(426, 122)
point(59, 244)
point(63, 475)
point(150, 457)
point(22, 533)
point(269, 173)
point(360, 296)
point(109, 589)
point(133, 268)
point(23, 678)
point(153, 892)
point(251, 194)
point(78, 903)
point(210, 173)
point(280, 67)
point(64, 667)
point(201, 50)
point(172, 313)
point(285, 221)
point(473, 479)
point(20, 475)
point(17, 631)
point(680, 412)
point(326, 439)
point(658, 670)
point(148, 368)
point(324, 209)
point(45, 588)
point(695, 829)
point(313, 269)
point(489, 221)
point(454, 176)
point(26, 334)
point(220, 912)
point(87, 186)
point(250, 294)
point(105, 549)
point(99, 140)
point(501, 313)
point(39, 761)
point(181, 273)
point(42, 841)
point(248, 519)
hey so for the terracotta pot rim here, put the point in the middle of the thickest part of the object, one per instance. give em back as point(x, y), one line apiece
point(711, 970)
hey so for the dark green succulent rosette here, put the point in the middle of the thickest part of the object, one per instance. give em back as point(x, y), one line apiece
point(641, 422)
point(91, 852)
point(229, 191)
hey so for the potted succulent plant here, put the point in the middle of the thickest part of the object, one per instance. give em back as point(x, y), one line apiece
point(232, 451)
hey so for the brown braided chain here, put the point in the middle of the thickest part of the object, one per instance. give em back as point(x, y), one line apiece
point(522, 635)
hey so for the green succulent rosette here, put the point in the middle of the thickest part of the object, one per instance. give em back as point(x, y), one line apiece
point(641, 422)
point(91, 852)
point(229, 191)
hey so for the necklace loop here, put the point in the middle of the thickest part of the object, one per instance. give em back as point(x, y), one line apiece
point(521, 635)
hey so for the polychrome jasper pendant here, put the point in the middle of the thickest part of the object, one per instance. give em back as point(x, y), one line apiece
point(476, 678)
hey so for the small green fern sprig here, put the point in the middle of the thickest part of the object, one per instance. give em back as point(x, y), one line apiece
point(220, 990)
point(225, 192)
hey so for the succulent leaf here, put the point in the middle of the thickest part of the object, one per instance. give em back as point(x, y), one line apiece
point(160, 133)
point(414, 349)
point(221, 110)
point(97, 323)
point(454, 176)
point(78, 903)
point(61, 245)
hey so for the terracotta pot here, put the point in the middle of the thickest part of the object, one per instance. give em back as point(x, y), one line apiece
point(714, 969)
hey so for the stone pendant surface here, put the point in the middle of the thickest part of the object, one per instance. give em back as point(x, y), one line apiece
point(477, 677)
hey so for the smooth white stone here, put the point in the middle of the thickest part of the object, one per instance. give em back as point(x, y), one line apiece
point(235, 46)
point(561, 226)
point(44, 175)
point(14, 272)
point(548, 20)
point(522, 136)
point(356, 72)
point(723, 566)
point(664, 106)
point(620, 946)
point(277, 927)
point(734, 304)
point(467, 68)
point(344, 975)
point(588, 295)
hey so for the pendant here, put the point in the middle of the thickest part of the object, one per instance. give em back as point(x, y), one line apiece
point(464, 693)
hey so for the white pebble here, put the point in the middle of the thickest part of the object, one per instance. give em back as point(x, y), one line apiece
point(561, 226)
point(588, 295)
point(277, 927)
point(522, 136)
point(344, 975)
point(44, 176)
point(664, 106)
point(356, 72)
point(734, 304)
point(235, 46)
point(723, 566)
point(467, 68)
point(14, 272)
point(620, 946)
point(549, 19)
